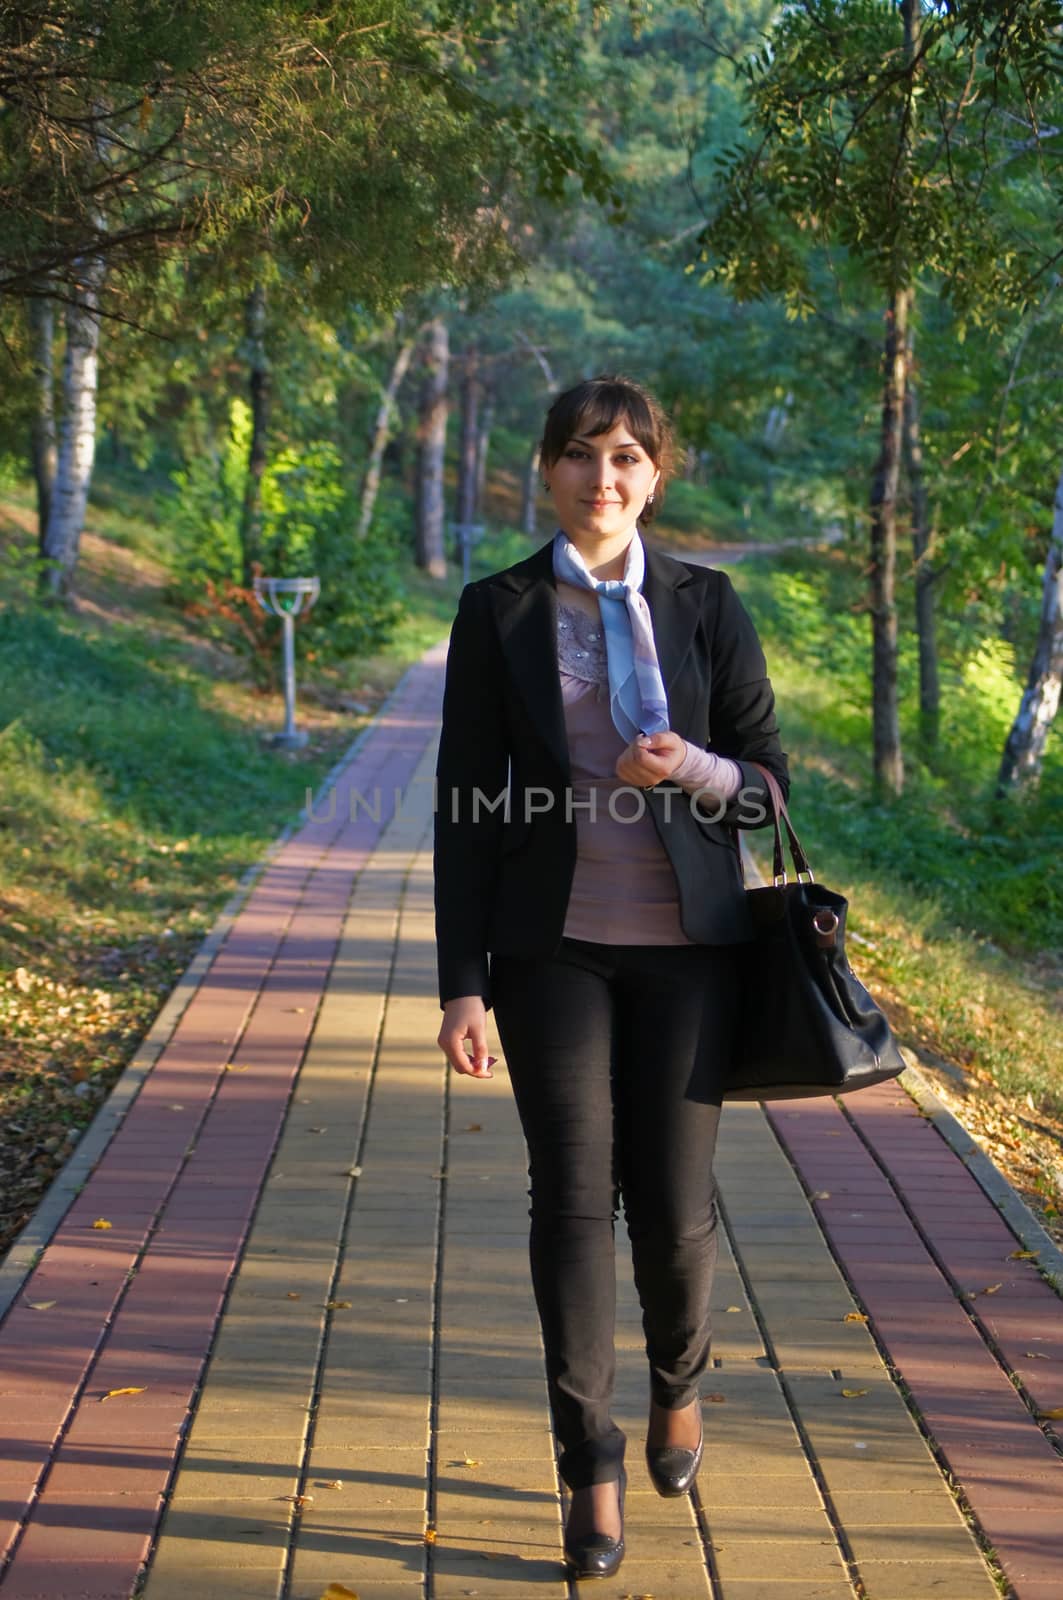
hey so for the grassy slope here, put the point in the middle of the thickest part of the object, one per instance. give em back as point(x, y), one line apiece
point(135, 788)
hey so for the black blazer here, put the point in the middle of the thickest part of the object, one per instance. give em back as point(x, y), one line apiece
point(502, 882)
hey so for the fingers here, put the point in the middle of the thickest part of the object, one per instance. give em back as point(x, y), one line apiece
point(642, 769)
point(476, 1064)
point(649, 758)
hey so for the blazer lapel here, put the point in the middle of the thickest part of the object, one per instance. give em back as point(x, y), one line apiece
point(525, 604)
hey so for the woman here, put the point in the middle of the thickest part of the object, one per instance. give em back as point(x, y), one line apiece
point(603, 708)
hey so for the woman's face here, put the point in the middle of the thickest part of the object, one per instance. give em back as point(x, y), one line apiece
point(599, 485)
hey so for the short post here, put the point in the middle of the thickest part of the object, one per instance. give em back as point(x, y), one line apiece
point(285, 598)
point(467, 534)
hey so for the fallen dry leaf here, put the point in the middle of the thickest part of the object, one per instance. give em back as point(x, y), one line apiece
point(732, 1308)
point(299, 1501)
point(337, 1305)
point(716, 1398)
point(231, 1066)
point(855, 1316)
point(466, 1461)
point(293, 1295)
point(854, 1394)
point(821, 1194)
point(339, 1591)
point(354, 1172)
point(41, 1305)
point(474, 1127)
point(430, 1536)
point(1051, 1416)
point(334, 1483)
point(101, 1222)
point(1036, 1355)
point(111, 1393)
point(1024, 1255)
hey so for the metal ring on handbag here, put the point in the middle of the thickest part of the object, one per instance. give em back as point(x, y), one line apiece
point(825, 922)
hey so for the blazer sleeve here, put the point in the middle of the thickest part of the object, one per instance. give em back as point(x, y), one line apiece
point(471, 773)
point(742, 721)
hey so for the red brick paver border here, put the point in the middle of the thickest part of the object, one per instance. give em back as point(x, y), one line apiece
point(129, 1291)
point(972, 1329)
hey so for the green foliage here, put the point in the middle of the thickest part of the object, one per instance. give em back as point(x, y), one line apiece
point(308, 522)
point(905, 155)
point(993, 868)
point(500, 548)
point(203, 514)
point(714, 512)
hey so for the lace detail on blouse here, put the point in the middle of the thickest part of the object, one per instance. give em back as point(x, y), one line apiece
point(581, 645)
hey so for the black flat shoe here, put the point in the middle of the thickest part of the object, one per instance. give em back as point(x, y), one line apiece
point(597, 1555)
point(673, 1469)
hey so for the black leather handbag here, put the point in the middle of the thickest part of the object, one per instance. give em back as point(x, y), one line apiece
point(807, 1025)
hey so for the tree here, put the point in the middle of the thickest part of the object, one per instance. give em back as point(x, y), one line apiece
point(431, 439)
point(925, 576)
point(348, 143)
point(43, 450)
point(383, 423)
point(837, 157)
point(1024, 750)
point(68, 493)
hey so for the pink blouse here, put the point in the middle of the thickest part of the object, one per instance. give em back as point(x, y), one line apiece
point(624, 889)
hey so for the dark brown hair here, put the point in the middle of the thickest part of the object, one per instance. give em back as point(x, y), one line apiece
point(598, 405)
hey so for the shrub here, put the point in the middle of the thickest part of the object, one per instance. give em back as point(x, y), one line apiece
point(309, 517)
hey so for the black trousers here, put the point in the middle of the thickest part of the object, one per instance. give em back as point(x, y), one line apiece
point(616, 1056)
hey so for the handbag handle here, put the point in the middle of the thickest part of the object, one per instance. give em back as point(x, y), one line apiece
point(781, 816)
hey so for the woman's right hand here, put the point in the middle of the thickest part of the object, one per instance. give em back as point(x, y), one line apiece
point(466, 1018)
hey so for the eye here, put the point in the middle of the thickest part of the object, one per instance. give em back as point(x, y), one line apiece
point(573, 452)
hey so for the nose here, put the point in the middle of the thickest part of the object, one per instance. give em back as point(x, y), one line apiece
point(602, 476)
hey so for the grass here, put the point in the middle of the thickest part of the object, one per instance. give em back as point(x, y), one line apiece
point(136, 786)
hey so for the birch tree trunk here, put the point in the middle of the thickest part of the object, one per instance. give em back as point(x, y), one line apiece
point(77, 433)
point(529, 505)
point(430, 554)
point(382, 432)
point(261, 396)
point(925, 576)
point(43, 448)
point(888, 764)
point(1024, 749)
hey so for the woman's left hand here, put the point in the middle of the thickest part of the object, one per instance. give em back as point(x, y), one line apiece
point(650, 758)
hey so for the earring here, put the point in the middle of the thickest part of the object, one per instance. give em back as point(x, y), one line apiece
point(649, 499)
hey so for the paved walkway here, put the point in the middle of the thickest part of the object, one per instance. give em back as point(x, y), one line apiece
point(282, 1344)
